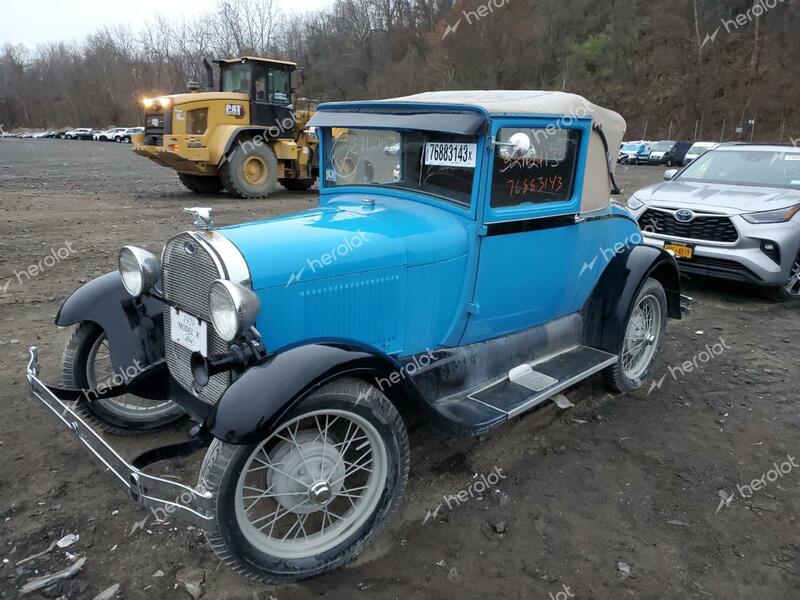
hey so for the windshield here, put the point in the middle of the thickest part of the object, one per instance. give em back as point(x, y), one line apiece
point(436, 164)
point(746, 167)
point(630, 148)
point(699, 148)
point(663, 146)
point(236, 78)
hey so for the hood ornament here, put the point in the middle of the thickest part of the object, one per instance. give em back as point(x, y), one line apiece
point(202, 218)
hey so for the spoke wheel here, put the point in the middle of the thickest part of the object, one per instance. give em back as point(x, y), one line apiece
point(318, 476)
point(314, 491)
point(643, 336)
point(86, 364)
point(100, 371)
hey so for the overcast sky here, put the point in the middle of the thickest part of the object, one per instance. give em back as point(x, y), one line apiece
point(33, 22)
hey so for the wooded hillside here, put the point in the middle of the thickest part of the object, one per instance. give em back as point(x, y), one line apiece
point(684, 68)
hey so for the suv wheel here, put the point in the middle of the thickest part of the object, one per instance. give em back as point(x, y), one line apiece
point(315, 491)
point(85, 364)
point(250, 171)
point(791, 290)
point(644, 335)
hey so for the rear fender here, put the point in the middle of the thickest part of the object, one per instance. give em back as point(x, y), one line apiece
point(259, 399)
point(135, 327)
point(607, 310)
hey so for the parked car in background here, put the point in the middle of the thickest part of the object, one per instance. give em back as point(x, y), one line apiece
point(109, 135)
point(733, 213)
point(296, 375)
point(668, 153)
point(81, 133)
point(634, 153)
point(697, 150)
point(126, 135)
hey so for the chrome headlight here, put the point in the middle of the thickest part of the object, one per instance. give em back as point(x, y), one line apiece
point(772, 216)
point(139, 270)
point(234, 308)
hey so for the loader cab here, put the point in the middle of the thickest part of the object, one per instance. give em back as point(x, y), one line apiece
point(268, 83)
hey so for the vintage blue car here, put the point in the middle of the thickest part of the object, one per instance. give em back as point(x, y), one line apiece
point(472, 275)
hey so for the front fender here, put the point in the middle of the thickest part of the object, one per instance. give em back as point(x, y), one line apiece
point(608, 307)
point(135, 328)
point(265, 393)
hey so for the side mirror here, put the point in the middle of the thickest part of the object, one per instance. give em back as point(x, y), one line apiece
point(669, 174)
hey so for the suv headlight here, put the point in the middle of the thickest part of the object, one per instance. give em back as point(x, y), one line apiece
point(234, 308)
point(634, 203)
point(772, 216)
point(139, 270)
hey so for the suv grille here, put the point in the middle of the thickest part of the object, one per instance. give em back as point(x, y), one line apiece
point(187, 273)
point(714, 229)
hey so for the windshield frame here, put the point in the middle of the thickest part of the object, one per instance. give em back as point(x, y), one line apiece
point(465, 209)
point(708, 155)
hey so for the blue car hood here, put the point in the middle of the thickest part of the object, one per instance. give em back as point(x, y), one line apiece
point(346, 236)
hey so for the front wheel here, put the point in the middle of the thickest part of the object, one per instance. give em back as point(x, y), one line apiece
point(644, 335)
point(86, 364)
point(315, 491)
point(250, 171)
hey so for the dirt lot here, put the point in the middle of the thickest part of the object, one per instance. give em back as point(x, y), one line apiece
point(616, 498)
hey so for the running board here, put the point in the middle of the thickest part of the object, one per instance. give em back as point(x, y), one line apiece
point(524, 388)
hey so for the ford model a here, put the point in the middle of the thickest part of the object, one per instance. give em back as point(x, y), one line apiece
point(465, 260)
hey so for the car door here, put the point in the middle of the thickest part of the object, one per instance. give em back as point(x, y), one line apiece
point(532, 250)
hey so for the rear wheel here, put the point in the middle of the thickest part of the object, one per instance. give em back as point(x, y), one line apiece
point(644, 335)
point(201, 184)
point(86, 364)
point(315, 491)
point(297, 185)
point(251, 171)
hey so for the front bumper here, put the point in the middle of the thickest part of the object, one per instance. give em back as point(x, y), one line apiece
point(185, 160)
point(160, 495)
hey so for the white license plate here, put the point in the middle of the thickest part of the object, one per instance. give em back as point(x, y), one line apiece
point(188, 331)
point(451, 155)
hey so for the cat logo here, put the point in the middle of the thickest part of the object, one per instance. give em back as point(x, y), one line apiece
point(234, 110)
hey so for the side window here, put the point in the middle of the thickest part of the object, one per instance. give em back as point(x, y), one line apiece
point(262, 84)
point(279, 86)
point(545, 172)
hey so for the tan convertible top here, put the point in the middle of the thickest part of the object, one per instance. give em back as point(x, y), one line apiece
point(597, 186)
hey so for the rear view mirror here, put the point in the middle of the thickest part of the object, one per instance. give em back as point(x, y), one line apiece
point(669, 174)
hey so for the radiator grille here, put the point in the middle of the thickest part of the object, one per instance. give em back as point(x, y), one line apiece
point(714, 229)
point(188, 271)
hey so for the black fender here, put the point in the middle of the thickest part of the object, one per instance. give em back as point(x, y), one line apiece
point(607, 310)
point(265, 393)
point(135, 327)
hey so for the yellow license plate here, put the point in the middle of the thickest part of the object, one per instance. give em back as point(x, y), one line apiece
point(680, 250)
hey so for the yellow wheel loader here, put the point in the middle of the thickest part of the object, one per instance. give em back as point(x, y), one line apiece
point(244, 135)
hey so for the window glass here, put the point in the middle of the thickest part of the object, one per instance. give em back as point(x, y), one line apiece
point(436, 164)
point(236, 78)
point(544, 172)
point(746, 167)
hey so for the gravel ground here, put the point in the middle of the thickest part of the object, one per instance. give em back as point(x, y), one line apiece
point(618, 497)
